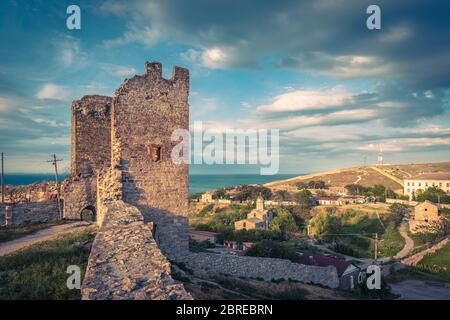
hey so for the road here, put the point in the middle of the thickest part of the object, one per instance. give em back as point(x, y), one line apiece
point(41, 235)
point(421, 290)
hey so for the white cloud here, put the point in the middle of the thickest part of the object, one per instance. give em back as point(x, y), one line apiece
point(214, 58)
point(52, 91)
point(146, 35)
point(396, 34)
point(69, 52)
point(119, 71)
point(314, 99)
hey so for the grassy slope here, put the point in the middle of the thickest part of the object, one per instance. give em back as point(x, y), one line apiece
point(39, 272)
point(369, 177)
point(437, 263)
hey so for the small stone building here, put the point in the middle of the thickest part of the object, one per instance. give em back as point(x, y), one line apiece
point(426, 217)
point(258, 218)
point(206, 197)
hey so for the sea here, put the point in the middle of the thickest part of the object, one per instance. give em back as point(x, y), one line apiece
point(197, 182)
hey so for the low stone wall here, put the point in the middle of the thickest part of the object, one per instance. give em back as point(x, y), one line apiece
point(28, 212)
point(265, 268)
point(125, 261)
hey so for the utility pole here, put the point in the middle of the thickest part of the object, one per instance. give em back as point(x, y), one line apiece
point(2, 182)
point(376, 246)
point(54, 161)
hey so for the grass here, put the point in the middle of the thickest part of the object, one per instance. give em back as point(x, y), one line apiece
point(11, 233)
point(437, 263)
point(392, 242)
point(39, 272)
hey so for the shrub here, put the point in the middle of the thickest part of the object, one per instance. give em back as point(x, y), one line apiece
point(271, 249)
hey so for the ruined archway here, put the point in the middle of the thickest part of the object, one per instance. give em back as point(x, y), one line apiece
point(88, 214)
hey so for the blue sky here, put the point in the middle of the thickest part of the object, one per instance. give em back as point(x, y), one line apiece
point(312, 69)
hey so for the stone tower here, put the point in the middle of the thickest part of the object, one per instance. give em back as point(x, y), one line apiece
point(146, 111)
point(260, 203)
point(91, 152)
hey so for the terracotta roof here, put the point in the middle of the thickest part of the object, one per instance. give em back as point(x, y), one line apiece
point(204, 233)
point(432, 176)
point(254, 220)
point(311, 259)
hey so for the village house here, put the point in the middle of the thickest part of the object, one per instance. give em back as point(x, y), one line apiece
point(422, 182)
point(201, 236)
point(328, 201)
point(352, 199)
point(207, 197)
point(258, 218)
point(349, 274)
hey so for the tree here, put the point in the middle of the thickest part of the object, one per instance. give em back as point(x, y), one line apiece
point(356, 189)
point(271, 249)
point(301, 186)
point(283, 221)
point(325, 225)
point(304, 199)
point(316, 184)
point(247, 192)
point(433, 194)
point(280, 195)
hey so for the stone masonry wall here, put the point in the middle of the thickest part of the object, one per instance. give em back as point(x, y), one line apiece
point(29, 212)
point(125, 261)
point(265, 268)
point(145, 112)
point(79, 193)
point(91, 134)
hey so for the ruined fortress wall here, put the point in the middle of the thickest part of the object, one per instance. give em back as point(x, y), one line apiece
point(29, 212)
point(125, 261)
point(79, 193)
point(91, 134)
point(145, 112)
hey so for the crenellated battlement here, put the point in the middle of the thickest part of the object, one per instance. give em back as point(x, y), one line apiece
point(154, 70)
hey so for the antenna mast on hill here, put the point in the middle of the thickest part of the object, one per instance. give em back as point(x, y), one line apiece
point(380, 156)
point(55, 161)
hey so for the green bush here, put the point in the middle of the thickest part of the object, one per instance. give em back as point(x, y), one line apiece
point(272, 249)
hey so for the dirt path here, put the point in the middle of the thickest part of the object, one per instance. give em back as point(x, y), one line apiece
point(409, 243)
point(387, 175)
point(416, 258)
point(357, 180)
point(41, 235)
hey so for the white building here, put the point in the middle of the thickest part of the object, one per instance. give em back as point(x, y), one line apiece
point(424, 181)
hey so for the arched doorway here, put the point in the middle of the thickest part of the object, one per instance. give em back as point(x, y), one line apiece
point(88, 214)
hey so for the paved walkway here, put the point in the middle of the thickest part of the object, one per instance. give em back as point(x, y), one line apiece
point(41, 235)
point(409, 243)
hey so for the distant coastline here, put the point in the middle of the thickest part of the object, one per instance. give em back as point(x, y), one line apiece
point(197, 182)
